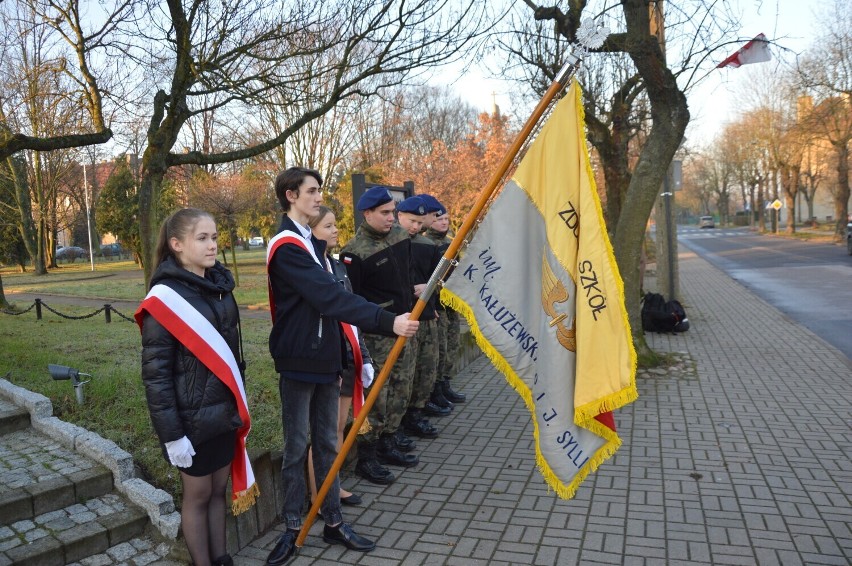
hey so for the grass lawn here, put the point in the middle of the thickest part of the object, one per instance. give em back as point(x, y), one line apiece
point(123, 280)
point(115, 404)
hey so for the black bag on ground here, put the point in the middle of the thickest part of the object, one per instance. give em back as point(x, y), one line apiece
point(660, 315)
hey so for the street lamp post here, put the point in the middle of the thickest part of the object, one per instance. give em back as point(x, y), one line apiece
point(88, 217)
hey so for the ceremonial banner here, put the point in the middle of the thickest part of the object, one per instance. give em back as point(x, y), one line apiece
point(541, 292)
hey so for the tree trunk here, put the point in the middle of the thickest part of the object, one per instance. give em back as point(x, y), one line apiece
point(149, 213)
point(4, 304)
point(232, 233)
point(790, 185)
point(670, 116)
point(27, 225)
point(841, 196)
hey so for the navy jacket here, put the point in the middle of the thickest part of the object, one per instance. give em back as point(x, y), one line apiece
point(309, 302)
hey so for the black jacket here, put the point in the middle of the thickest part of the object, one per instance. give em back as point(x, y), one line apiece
point(309, 302)
point(184, 397)
point(379, 266)
point(339, 271)
point(425, 256)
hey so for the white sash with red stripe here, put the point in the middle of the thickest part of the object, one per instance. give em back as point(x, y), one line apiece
point(349, 331)
point(196, 333)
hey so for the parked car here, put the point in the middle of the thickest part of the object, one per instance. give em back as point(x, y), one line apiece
point(112, 250)
point(256, 241)
point(71, 253)
point(706, 222)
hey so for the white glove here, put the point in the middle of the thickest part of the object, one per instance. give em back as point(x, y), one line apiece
point(180, 452)
point(367, 375)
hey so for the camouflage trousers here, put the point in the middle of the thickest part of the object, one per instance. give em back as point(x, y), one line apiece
point(448, 342)
point(426, 362)
point(386, 414)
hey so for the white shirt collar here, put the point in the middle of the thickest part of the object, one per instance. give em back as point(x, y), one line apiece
point(304, 230)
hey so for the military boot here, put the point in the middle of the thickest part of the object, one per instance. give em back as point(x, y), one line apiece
point(448, 392)
point(388, 453)
point(413, 423)
point(368, 466)
point(434, 410)
point(403, 443)
point(438, 397)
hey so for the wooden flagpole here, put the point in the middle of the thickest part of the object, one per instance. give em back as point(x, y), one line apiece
point(567, 71)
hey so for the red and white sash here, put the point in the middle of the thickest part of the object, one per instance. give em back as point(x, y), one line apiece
point(349, 331)
point(196, 333)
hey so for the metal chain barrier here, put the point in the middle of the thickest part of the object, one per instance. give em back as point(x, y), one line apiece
point(38, 304)
point(127, 318)
point(70, 317)
point(16, 313)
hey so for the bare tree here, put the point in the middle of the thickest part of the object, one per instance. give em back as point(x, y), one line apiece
point(230, 57)
point(666, 108)
point(83, 43)
point(826, 74)
point(226, 198)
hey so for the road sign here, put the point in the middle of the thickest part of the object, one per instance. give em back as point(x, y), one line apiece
point(777, 204)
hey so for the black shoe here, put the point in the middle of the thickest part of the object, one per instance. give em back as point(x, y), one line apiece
point(374, 472)
point(352, 499)
point(437, 397)
point(284, 549)
point(403, 443)
point(419, 427)
point(434, 410)
point(343, 534)
point(448, 392)
point(388, 453)
point(225, 560)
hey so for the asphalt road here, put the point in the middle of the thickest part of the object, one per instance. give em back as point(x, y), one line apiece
point(810, 282)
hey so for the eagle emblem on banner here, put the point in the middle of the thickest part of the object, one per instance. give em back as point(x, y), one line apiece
point(552, 292)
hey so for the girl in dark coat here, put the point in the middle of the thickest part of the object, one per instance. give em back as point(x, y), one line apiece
point(194, 413)
point(324, 227)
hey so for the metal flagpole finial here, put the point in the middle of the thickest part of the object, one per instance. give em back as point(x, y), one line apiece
point(590, 35)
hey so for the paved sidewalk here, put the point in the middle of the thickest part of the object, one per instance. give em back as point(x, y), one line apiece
point(740, 454)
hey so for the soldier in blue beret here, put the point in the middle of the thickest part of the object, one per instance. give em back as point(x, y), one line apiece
point(415, 216)
point(448, 321)
point(433, 205)
point(373, 197)
point(378, 262)
point(413, 205)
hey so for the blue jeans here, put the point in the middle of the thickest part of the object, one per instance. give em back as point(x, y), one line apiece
point(306, 405)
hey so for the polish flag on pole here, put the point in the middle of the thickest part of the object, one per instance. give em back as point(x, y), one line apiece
point(755, 51)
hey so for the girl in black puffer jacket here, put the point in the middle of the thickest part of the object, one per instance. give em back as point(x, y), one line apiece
point(194, 413)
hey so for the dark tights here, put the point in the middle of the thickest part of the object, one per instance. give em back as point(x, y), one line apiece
point(202, 515)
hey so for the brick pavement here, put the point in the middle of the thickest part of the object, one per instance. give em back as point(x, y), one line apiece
point(738, 454)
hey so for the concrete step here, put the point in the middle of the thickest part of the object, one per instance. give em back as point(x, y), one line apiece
point(13, 418)
point(38, 475)
point(72, 533)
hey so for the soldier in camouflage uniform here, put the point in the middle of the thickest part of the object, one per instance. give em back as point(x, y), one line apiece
point(377, 260)
point(448, 319)
point(412, 214)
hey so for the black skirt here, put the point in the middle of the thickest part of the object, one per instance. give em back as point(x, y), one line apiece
point(212, 455)
point(347, 383)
